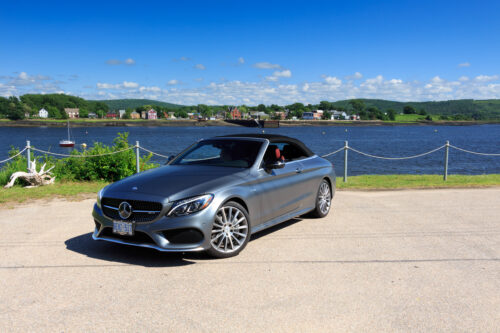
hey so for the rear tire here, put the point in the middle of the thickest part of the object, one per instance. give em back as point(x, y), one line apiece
point(323, 200)
point(230, 231)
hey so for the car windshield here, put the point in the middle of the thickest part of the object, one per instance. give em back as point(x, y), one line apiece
point(224, 153)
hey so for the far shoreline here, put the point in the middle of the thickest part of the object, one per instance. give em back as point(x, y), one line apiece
point(196, 123)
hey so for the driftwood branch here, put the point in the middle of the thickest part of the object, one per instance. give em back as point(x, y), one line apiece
point(33, 178)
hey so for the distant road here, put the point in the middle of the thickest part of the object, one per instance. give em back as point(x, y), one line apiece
point(425, 260)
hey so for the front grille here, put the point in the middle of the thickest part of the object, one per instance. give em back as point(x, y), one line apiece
point(148, 210)
point(138, 237)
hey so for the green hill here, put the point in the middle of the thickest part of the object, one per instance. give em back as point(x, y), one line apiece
point(489, 108)
point(122, 104)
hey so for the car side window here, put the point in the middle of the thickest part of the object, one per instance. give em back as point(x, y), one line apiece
point(290, 151)
point(205, 152)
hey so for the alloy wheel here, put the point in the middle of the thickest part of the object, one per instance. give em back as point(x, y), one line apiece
point(324, 198)
point(230, 230)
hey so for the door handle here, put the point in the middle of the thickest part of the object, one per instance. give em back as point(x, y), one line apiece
point(298, 170)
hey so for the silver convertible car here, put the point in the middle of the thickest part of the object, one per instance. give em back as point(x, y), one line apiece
point(215, 194)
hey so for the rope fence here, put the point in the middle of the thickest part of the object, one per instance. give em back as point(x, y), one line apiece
point(13, 157)
point(80, 156)
point(395, 158)
point(28, 149)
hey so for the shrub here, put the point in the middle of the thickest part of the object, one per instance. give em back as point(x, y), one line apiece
point(107, 168)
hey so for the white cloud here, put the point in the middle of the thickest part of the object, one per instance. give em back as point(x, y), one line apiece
point(332, 80)
point(241, 61)
point(437, 79)
point(486, 78)
point(129, 61)
point(266, 65)
point(200, 67)
point(150, 89)
point(173, 82)
point(107, 86)
point(115, 62)
point(284, 73)
point(331, 88)
point(464, 64)
point(24, 79)
point(269, 90)
point(355, 76)
point(130, 84)
point(123, 85)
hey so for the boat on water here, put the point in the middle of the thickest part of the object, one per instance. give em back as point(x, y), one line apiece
point(67, 142)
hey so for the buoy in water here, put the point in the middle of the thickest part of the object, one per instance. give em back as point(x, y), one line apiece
point(84, 145)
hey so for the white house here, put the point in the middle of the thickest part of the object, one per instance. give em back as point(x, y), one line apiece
point(43, 113)
point(340, 115)
point(122, 113)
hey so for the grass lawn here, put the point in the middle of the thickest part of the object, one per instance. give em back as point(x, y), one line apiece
point(411, 117)
point(69, 190)
point(375, 182)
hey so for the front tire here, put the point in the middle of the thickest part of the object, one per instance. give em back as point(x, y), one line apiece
point(323, 200)
point(230, 231)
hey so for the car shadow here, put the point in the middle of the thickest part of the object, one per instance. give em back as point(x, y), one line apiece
point(127, 254)
point(275, 228)
point(141, 256)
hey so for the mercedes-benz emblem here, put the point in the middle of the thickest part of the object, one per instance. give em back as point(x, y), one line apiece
point(125, 210)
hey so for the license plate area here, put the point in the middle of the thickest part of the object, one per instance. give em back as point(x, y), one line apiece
point(123, 228)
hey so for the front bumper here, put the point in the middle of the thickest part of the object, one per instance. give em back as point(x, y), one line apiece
point(156, 234)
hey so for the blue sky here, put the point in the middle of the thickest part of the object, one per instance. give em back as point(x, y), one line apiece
point(234, 52)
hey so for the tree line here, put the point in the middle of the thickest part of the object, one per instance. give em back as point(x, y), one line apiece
point(17, 108)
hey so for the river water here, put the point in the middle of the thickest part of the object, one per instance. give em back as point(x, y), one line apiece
point(390, 141)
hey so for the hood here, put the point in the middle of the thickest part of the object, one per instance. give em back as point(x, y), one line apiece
point(176, 182)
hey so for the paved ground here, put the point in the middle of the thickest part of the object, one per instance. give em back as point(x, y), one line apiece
point(424, 260)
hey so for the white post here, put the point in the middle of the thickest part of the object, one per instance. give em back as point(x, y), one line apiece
point(28, 153)
point(346, 148)
point(446, 152)
point(137, 165)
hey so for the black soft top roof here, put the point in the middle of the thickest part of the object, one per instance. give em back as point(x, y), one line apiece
point(273, 138)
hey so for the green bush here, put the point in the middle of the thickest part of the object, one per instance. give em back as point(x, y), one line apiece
point(106, 168)
point(19, 163)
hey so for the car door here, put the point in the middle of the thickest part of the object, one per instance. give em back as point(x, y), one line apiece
point(280, 189)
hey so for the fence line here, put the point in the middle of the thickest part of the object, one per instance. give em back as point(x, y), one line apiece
point(345, 148)
point(80, 156)
point(13, 157)
point(474, 152)
point(397, 158)
point(333, 153)
point(152, 152)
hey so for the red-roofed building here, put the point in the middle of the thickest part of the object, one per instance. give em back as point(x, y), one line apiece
point(235, 113)
point(152, 114)
point(112, 115)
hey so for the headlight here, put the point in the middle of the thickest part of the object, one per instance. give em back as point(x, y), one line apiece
point(190, 205)
point(99, 197)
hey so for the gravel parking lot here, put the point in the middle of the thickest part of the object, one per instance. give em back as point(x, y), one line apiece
point(426, 260)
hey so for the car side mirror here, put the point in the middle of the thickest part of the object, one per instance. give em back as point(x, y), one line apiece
point(169, 159)
point(279, 164)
